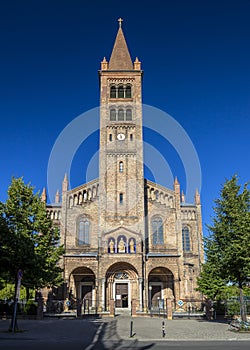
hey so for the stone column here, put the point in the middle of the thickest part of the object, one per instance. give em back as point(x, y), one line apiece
point(177, 288)
point(169, 309)
point(140, 280)
point(103, 294)
point(146, 306)
point(94, 297)
point(112, 307)
point(133, 307)
point(109, 295)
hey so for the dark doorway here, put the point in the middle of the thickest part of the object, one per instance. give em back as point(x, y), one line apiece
point(87, 295)
point(155, 295)
point(121, 295)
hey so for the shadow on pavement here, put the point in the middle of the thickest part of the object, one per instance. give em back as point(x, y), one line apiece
point(109, 339)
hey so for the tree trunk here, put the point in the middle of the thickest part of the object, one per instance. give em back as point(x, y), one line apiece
point(242, 304)
point(27, 293)
point(13, 325)
point(209, 313)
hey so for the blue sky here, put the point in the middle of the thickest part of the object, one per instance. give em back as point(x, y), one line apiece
point(195, 56)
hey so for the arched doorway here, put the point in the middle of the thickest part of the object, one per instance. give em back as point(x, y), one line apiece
point(121, 285)
point(82, 286)
point(160, 287)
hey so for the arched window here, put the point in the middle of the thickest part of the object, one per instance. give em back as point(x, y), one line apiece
point(113, 114)
point(129, 114)
point(186, 239)
point(128, 91)
point(113, 92)
point(83, 231)
point(110, 137)
point(156, 194)
point(120, 114)
point(157, 230)
point(121, 167)
point(121, 198)
point(120, 91)
point(85, 196)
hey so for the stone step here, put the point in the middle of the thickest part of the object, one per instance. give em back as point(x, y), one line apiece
point(122, 311)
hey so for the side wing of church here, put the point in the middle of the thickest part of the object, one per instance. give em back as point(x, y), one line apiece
point(128, 242)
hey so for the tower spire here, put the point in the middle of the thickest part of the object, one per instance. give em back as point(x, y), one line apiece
point(120, 58)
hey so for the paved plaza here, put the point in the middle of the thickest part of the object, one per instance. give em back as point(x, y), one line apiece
point(111, 333)
point(151, 328)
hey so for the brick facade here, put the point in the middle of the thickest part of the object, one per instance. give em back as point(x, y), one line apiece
point(123, 233)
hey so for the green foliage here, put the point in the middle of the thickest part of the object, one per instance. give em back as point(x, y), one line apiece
point(233, 308)
point(29, 239)
point(229, 243)
point(210, 283)
point(228, 246)
point(8, 291)
point(4, 245)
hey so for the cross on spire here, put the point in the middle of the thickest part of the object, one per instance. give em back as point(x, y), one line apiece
point(120, 20)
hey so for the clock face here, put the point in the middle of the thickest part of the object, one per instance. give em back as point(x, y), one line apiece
point(120, 137)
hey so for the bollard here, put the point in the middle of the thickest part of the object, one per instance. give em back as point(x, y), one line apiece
point(131, 329)
point(163, 330)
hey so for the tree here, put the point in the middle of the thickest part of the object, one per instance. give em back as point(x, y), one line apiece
point(31, 241)
point(228, 245)
point(210, 282)
point(4, 247)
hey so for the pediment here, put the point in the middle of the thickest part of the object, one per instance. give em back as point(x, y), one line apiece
point(122, 230)
point(122, 240)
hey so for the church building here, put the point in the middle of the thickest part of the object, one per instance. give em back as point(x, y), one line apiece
point(129, 242)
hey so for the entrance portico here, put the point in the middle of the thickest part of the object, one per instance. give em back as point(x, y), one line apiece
point(160, 286)
point(122, 285)
point(82, 285)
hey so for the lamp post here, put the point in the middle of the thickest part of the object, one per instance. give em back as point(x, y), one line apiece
point(150, 296)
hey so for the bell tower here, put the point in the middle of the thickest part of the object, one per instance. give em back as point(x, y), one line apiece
point(121, 178)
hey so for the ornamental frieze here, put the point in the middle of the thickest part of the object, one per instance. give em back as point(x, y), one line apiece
point(120, 80)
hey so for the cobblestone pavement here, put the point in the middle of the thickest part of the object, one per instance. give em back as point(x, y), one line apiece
point(84, 334)
point(151, 329)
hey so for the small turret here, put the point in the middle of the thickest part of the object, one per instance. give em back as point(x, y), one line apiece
point(104, 64)
point(44, 195)
point(176, 185)
point(57, 197)
point(197, 197)
point(177, 191)
point(65, 184)
point(183, 197)
point(137, 64)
